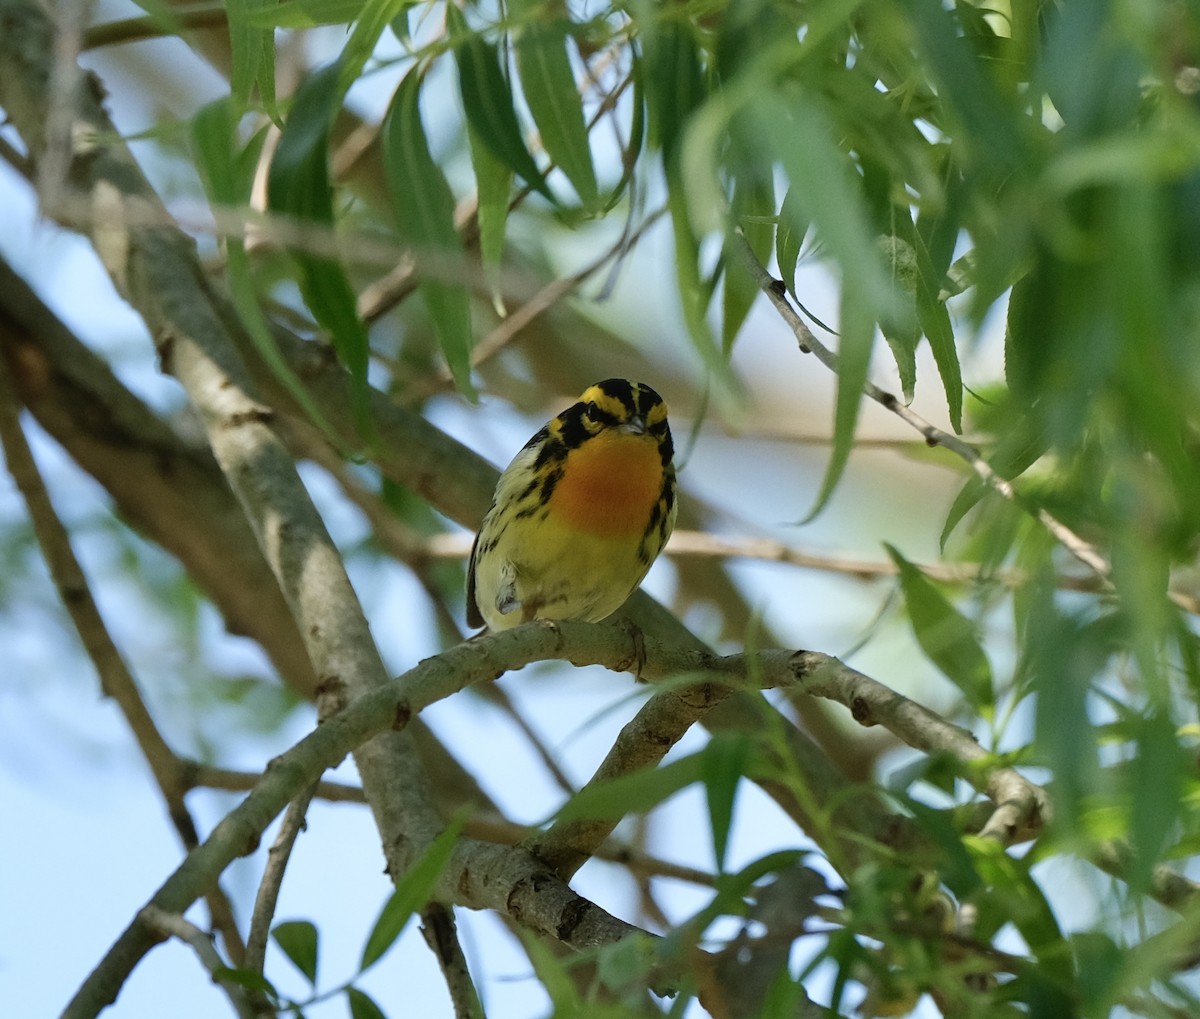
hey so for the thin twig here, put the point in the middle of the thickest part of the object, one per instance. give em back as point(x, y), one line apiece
point(272, 879)
point(511, 325)
point(441, 935)
point(487, 826)
point(703, 545)
point(180, 18)
point(19, 162)
point(173, 925)
point(777, 294)
point(383, 294)
point(116, 679)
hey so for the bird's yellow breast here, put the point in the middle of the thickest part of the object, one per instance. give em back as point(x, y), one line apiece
point(609, 485)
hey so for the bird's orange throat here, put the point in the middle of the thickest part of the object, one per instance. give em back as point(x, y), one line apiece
point(609, 485)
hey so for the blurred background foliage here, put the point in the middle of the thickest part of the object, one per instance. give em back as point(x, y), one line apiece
point(991, 209)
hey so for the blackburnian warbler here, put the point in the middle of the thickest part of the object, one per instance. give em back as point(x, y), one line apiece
point(580, 513)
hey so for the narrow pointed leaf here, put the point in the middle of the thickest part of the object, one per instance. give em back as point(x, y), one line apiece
point(300, 942)
point(693, 294)
point(553, 97)
point(488, 101)
point(298, 185)
point(826, 186)
point(753, 211)
point(675, 84)
point(252, 55)
point(412, 892)
point(227, 171)
point(723, 763)
point(634, 793)
point(493, 188)
point(372, 21)
point(856, 335)
point(1019, 448)
point(946, 636)
point(304, 13)
point(1157, 787)
point(637, 136)
point(934, 319)
point(789, 238)
point(424, 209)
point(362, 1005)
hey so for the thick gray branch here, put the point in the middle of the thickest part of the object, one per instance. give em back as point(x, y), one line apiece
point(155, 267)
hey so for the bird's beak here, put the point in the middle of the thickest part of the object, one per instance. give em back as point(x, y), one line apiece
point(636, 425)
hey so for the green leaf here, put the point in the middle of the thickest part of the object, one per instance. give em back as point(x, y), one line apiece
point(1156, 784)
point(214, 139)
point(637, 136)
point(794, 130)
point(753, 210)
point(1061, 659)
point(934, 319)
point(857, 334)
point(553, 97)
point(493, 188)
point(298, 185)
point(227, 171)
point(247, 979)
point(789, 237)
point(304, 13)
point(300, 943)
point(424, 209)
point(252, 54)
point(693, 294)
point(635, 793)
point(488, 101)
point(552, 974)
point(675, 84)
point(412, 892)
point(971, 95)
point(722, 765)
point(946, 636)
point(369, 26)
point(362, 1005)
point(902, 336)
point(628, 965)
point(1023, 900)
point(956, 866)
point(1021, 445)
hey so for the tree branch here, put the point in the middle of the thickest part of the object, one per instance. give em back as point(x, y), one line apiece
point(116, 680)
point(441, 935)
point(173, 925)
point(934, 436)
point(169, 491)
point(272, 879)
point(488, 876)
point(156, 269)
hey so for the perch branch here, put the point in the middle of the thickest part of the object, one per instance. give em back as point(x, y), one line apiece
point(489, 876)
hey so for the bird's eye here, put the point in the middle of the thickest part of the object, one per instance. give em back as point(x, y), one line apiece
point(592, 410)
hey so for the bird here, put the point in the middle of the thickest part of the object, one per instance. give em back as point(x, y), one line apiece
point(579, 515)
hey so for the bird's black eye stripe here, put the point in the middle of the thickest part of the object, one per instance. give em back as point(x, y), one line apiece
point(598, 415)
